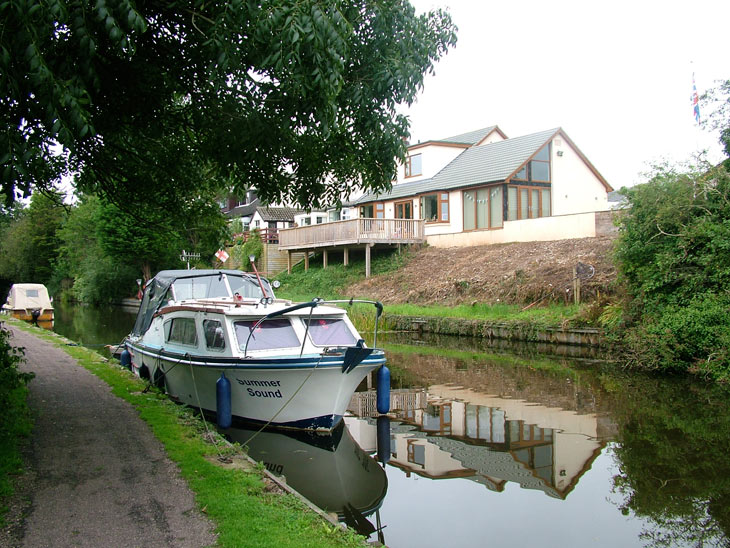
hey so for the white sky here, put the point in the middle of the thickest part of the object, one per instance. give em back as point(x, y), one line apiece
point(616, 76)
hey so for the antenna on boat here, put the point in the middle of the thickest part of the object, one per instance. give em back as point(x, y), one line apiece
point(252, 258)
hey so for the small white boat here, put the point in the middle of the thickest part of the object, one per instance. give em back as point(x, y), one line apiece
point(203, 334)
point(30, 302)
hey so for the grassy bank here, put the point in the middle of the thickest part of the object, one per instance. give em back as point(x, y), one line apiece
point(332, 283)
point(238, 497)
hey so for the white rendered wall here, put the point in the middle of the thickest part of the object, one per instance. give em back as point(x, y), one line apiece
point(575, 188)
point(544, 229)
point(433, 159)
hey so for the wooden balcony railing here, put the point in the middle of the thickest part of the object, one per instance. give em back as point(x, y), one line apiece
point(353, 232)
point(268, 235)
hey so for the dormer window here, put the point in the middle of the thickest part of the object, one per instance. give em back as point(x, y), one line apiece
point(413, 166)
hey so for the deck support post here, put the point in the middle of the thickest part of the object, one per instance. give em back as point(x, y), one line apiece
point(367, 260)
point(306, 261)
point(324, 259)
point(346, 256)
point(288, 262)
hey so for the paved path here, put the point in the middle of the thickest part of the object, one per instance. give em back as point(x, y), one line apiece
point(98, 477)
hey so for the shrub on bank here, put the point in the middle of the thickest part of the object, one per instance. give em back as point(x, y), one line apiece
point(14, 420)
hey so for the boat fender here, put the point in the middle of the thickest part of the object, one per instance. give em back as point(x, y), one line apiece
point(158, 378)
point(383, 391)
point(383, 438)
point(223, 401)
point(125, 359)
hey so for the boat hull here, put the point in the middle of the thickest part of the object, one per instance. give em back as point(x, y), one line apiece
point(310, 392)
point(44, 319)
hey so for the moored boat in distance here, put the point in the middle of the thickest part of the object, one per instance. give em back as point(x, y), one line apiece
point(220, 341)
point(30, 302)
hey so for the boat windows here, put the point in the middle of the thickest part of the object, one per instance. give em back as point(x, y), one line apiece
point(204, 287)
point(182, 331)
point(331, 332)
point(248, 288)
point(214, 339)
point(269, 335)
point(31, 293)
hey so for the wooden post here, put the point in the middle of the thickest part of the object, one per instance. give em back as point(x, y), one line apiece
point(306, 260)
point(324, 259)
point(288, 262)
point(346, 256)
point(367, 260)
point(576, 286)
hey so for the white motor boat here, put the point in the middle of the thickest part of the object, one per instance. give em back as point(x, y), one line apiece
point(219, 340)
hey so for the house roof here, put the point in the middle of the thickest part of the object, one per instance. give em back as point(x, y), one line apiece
point(491, 163)
point(464, 140)
point(476, 165)
point(278, 213)
point(472, 137)
point(244, 210)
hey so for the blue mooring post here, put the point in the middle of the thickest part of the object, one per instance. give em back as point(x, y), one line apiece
point(383, 439)
point(125, 359)
point(223, 401)
point(383, 392)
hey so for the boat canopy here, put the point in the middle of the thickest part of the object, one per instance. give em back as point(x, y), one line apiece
point(27, 297)
point(180, 285)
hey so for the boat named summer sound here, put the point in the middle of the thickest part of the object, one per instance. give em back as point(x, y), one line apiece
point(219, 340)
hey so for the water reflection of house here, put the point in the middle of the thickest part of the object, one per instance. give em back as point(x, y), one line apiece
point(491, 440)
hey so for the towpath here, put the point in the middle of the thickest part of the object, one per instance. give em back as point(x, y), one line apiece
point(97, 475)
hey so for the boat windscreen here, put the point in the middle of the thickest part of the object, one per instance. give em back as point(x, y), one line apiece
point(331, 332)
point(203, 287)
point(268, 335)
point(154, 293)
point(248, 287)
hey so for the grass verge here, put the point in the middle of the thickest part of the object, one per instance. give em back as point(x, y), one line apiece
point(14, 430)
point(236, 499)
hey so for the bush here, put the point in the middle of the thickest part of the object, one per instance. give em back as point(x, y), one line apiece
point(10, 377)
point(694, 337)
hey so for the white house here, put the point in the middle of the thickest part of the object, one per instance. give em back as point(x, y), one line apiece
point(482, 187)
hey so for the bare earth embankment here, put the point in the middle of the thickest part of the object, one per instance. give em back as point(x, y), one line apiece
point(516, 273)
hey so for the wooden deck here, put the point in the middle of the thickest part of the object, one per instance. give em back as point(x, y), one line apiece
point(349, 234)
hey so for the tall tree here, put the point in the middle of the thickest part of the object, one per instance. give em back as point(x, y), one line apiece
point(153, 100)
point(28, 244)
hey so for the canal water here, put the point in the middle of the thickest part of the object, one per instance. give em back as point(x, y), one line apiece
point(504, 447)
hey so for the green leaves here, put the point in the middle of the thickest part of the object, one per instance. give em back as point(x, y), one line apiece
point(674, 258)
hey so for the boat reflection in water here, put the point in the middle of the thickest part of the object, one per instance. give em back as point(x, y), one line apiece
point(328, 469)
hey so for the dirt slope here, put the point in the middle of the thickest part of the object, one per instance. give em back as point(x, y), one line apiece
point(520, 273)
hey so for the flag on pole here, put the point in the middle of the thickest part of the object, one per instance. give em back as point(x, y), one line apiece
point(222, 255)
point(695, 100)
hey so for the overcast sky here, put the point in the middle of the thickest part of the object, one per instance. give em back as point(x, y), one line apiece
point(616, 76)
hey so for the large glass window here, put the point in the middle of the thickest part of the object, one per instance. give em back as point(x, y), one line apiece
point(404, 210)
point(182, 331)
point(483, 208)
point(331, 332)
point(527, 202)
point(367, 211)
point(537, 169)
point(412, 166)
point(435, 207)
point(270, 334)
